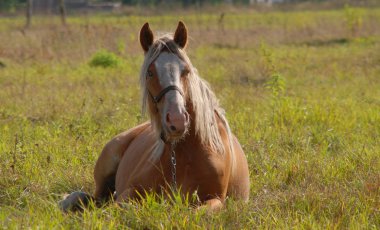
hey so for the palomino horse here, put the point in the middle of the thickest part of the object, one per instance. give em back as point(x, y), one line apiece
point(187, 143)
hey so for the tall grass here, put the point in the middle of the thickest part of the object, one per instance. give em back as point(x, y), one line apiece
point(301, 94)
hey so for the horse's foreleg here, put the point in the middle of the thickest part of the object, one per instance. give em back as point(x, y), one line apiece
point(212, 205)
point(108, 162)
point(105, 172)
point(125, 196)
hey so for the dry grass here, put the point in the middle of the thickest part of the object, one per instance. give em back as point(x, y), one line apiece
point(300, 90)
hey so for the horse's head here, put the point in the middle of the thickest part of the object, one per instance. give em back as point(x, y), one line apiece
point(165, 81)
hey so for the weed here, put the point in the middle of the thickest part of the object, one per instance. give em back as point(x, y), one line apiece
point(105, 59)
point(353, 20)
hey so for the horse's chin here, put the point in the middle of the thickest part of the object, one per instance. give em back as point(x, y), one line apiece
point(175, 137)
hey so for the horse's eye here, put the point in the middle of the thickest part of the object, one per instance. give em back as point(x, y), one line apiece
point(185, 72)
point(150, 74)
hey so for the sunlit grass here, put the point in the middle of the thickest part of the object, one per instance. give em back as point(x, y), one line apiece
point(311, 134)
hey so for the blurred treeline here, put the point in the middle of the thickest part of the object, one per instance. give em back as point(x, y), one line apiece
point(13, 5)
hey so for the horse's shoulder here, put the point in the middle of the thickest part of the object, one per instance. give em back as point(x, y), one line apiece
point(121, 141)
point(133, 132)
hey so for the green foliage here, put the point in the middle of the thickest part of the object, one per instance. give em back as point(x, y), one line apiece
point(276, 85)
point(9, 5)
point(275, 82)
point(268, 59)
point(353, 19)
point(105, 59)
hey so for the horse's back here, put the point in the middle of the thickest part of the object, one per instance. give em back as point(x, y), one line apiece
point(239, 184)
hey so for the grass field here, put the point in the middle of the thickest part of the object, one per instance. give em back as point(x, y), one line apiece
point(301, 91)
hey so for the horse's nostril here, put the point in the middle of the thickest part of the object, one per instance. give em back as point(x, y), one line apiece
point(172, 127)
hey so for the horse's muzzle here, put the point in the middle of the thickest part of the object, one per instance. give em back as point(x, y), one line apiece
point(176, 124)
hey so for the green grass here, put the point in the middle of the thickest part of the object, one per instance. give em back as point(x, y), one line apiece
point(311, 134)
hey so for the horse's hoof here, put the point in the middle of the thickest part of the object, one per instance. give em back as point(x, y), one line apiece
point(76, 201)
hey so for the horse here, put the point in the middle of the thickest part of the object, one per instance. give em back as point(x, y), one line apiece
point(187, 143)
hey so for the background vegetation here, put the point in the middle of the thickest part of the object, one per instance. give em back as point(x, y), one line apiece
point(301, 91)
point(12, 5)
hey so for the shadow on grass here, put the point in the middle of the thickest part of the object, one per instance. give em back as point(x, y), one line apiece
point(330, 42)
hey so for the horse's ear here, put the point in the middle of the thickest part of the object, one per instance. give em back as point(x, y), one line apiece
point(180, 35)
point(146, 37)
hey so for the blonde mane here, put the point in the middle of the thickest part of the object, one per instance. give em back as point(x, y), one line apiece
point(204, 102)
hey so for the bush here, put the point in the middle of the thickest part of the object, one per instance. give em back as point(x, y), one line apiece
point(105, 59)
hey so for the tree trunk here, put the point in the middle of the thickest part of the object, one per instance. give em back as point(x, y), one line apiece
point(62, 11)
point(29, 12)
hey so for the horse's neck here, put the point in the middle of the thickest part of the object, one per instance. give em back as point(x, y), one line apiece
point(192, 133)
point(191, 138)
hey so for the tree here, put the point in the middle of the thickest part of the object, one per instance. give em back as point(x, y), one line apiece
point(62, 11)
point(29, 12)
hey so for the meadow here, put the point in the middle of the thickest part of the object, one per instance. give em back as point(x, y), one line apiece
point(301, 91)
